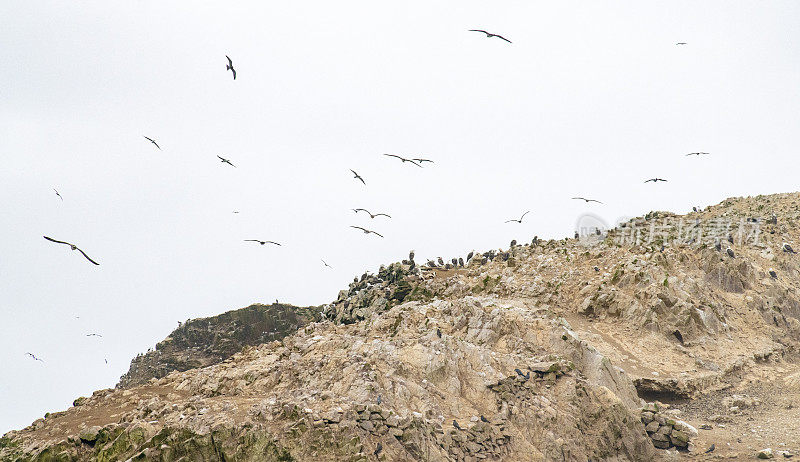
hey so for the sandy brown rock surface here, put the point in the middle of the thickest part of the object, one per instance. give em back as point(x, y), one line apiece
point(549, 350)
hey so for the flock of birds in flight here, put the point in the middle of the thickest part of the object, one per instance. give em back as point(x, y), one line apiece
point(418, 162)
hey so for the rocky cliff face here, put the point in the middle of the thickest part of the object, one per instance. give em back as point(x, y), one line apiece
point(206, 341)
point(650, 341)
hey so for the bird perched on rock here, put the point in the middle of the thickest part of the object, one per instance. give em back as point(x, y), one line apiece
point(438, 332)
point(367, 231)
point(730, 238)
point(225, 161)
point(460, 262)
point(73, 247)
point(730, 253)
point(513, 243)
point(711, 448)
point(229, 67)
point(787, 248)
point(535, 241)
point(454, 261)
point(358, 177)
point(448, 266)
point(655, 180)
point(577, 235)
point(469, 255)
point(379, 400)
point(378, 449)
point(440, 261)
point(456, 425)
point(490, 35)
point(264, 242)
point(519, 372)
point(520, 218)
point(694, 209)
point(411, 255)
point(484, 419)
point(718, 246)
point(773, 273)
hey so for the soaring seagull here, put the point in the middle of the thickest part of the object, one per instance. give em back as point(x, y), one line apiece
point(226, 161)
point(587, 200)
point(366, 231)
point(261, 242)
point(490, 35)
point(404, 159)
point(229, 67)
point(520, 218)
point(93, 335)
point(420, 161)
point(34, 356)
point(326, 264)
point(698, 154)
point(371, 215)
point(681, 43)
point(73, 247)
point(358, 177)
point(655, 180)
point(57, 194)
point(153, 141)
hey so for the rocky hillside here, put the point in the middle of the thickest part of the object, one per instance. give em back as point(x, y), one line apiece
point(206, 341)
point(669, 337)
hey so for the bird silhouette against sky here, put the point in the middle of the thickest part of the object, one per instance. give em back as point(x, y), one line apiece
point(73, 247)
point(57, 194)
point(698, 154)
point(93, 335)
point(655, 180)
point(34, 357)
point(229, 67)
point(520, 218)
point(490, 35)
point(153, 141)
point(358, 177)
point(261, 242)
point(420, 161)
point(404, 159)
point(681, 43)
point(326, 264)
point(366, 231)
point(372, 215)
point(587, 200)
point(226, 161)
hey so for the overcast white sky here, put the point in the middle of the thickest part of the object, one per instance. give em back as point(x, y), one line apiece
point(591, 99)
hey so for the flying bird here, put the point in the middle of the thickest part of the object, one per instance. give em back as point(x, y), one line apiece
point(520, 218)
point(153, 141)
point(681, 43)
point(33, 356)
point(226, 161)
point(366, 231)
point(358, 177)
point(372, 215)
point(326, 264)
point(404, 159)
point(261, 242)
point(420, 161)
point(698, 154)
point(93, 335)
point(490, 35)
point(73, 247)
point(57, 194)
point(587, 200)
point(229, 67)
point(655, 180)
